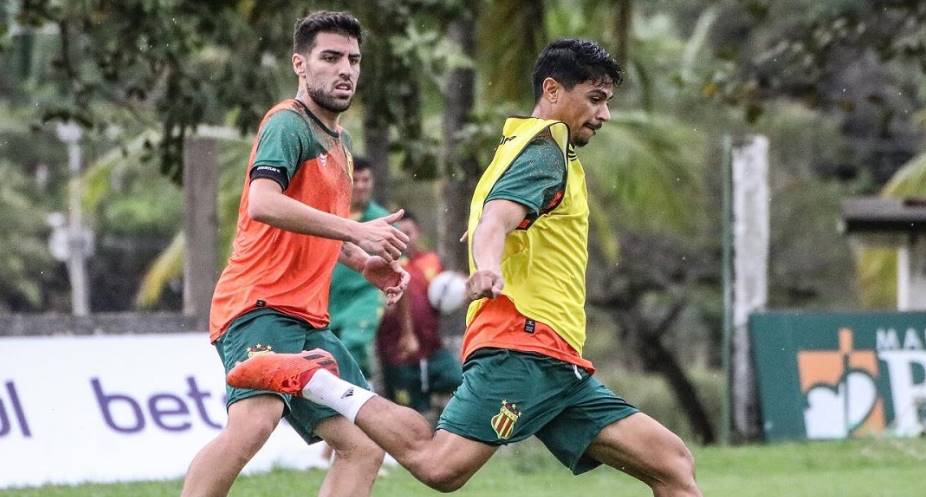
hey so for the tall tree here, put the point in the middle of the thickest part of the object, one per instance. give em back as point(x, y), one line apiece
point(460, 168)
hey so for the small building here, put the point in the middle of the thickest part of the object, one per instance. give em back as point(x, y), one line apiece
point(899, 223)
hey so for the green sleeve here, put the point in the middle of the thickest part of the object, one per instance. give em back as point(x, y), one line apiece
point(534, 178)
point(348, 141)
point(284, 143)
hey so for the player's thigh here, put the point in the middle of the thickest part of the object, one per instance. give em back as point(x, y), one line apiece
point(251, 420)
point(589, 407)
point(640, 446)
point(303, 415)
point(347, 439)
point(457, 457)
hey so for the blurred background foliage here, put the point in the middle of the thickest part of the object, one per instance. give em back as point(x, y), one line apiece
point(836, 85)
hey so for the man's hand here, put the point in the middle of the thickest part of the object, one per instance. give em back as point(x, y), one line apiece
point(387, 276)
point(379, 237)
point(484, 283)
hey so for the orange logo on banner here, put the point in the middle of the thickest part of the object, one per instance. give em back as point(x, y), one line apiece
point(840, 390)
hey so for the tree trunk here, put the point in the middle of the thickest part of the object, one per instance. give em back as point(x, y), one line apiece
point(459, 171)
point(375, 97)
point(624, 30)
point(658, 358)
point(646, 340)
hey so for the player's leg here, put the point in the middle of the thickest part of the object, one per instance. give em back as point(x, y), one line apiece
point(441, 460)
point(252, 414)
point(356, 461)
point(599, 427)
point(499, 388)
point(643, 448)
point(215, 467)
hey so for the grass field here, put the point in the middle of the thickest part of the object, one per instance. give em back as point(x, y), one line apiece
point(861, 468)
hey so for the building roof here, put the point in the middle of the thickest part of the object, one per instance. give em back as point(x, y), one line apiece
point(884, 215)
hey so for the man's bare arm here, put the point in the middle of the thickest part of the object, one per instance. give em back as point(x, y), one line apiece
point(267, 204)
point(499, 217)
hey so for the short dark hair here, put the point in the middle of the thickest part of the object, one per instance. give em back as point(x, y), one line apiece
point(572, 61)
point(324, 21)
point(362, 163)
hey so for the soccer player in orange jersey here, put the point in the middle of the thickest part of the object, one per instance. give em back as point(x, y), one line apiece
point(293, 227)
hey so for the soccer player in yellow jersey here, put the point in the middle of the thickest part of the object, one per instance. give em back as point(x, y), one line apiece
point(524, 374)
point(293, 227)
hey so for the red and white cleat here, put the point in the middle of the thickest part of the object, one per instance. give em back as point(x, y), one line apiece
point(283, 373)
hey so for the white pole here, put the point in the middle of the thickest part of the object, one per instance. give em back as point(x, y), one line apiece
point(70, 133)
point(750, 272)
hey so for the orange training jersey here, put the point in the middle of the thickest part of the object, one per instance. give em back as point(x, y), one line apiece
point(283, 270)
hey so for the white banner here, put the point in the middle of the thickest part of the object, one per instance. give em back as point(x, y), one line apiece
point(116, 408)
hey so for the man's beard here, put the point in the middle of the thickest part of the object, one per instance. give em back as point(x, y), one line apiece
point(328, 102)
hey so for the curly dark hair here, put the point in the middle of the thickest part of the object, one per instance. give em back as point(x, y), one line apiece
point(324, 21)
point(572, 61)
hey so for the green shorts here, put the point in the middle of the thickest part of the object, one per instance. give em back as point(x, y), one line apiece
point(355, 324)
point(507, 396)
point(412, 385)
point(268, 328)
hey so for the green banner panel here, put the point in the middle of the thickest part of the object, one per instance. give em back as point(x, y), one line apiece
point(840, 375)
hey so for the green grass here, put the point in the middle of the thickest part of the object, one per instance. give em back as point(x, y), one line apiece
point(860, 468)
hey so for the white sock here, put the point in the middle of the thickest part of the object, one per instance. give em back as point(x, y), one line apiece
point(328, 390)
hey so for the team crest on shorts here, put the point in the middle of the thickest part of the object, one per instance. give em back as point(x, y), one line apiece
point(259, 349)
point(503, 422)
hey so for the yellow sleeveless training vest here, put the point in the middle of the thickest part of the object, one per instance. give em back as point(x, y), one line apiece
point(544, 265)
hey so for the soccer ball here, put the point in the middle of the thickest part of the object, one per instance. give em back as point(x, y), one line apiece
point(447, 291)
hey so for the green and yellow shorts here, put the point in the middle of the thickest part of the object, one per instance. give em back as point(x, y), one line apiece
point(508, 396)
point(267, 329)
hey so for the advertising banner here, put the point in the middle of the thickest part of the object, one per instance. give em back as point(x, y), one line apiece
point(842, 375)
point(117, 408)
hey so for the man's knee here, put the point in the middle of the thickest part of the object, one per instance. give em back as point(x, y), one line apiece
point(250, 423)
point(443, 478)
point(361, 452)
point(680, 470)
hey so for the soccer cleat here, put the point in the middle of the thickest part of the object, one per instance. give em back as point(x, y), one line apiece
point(284, 373)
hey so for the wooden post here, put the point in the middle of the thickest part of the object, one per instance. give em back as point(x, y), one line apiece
point(750, 274)
point(200, 226)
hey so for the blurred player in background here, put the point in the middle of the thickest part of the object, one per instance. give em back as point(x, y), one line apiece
point(356, 305)
point(413, 372)
point(524, 374)
point(292, 228)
